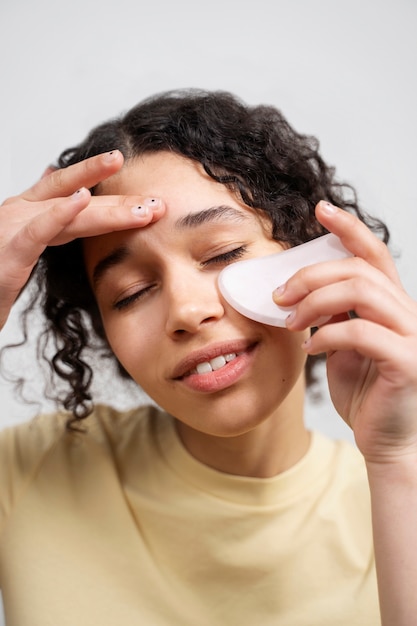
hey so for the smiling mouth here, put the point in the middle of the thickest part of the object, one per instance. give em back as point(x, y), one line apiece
point(214, 364)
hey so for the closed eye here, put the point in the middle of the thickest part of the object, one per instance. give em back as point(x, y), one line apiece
point(132, 298)
point(227, 257)
point(220, 259)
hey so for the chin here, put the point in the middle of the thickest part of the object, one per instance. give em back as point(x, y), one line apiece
point(226, 419)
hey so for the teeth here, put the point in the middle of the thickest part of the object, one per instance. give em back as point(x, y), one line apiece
point(218, 362)
point(204, 368)
point(214, 364)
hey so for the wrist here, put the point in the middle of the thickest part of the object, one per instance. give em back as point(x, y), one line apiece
point(398, 467)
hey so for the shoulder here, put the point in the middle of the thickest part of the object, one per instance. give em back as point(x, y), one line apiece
point(27, 447)
point(345, 486)
point(40, 434)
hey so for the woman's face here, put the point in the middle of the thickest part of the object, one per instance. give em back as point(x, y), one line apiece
point(165, 319)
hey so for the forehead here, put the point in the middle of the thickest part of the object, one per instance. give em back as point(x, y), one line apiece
point(182, 184)
point(175, 179)
point(193, 201)
point(199, 212)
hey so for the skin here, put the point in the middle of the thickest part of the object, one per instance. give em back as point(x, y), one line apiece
point(372, 359)
point(58, 209)
point(372, 364)
point(247, 417)
point(372, 372)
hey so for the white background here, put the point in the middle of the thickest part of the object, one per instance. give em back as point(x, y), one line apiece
point(343, 70)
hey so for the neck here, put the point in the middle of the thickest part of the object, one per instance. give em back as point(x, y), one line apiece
point(271, 448)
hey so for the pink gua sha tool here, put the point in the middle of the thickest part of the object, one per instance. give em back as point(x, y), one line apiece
point(248, 285)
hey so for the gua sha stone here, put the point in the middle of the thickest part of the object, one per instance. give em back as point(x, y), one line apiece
point(248, 285)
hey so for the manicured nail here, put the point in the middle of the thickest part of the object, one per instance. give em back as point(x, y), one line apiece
point(148, 204)
point(290, 318)
point(110, 156)
point(279, 291)
point(80, 192)
point(152, 202)
point(140, 210)
point(328, 208)
point(306, 344)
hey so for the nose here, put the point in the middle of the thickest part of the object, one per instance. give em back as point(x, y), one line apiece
point(192, 300)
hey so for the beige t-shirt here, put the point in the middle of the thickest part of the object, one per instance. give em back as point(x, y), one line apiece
point(121, 525)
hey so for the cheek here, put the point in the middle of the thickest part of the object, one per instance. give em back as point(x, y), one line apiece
point(291, 357)
point(135, 340)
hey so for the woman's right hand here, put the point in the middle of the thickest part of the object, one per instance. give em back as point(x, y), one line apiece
point(58, 209)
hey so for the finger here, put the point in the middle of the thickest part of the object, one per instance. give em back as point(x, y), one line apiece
point(32, 239)
point(22, 211)
point(49, 170)
point(392, 353)
point(317, 276)
point(20, 255)
point(369, 301)
point(66, 181)
point(357, 238)
point(106, 214)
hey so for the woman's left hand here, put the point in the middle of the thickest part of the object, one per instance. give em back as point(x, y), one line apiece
point(372, 356)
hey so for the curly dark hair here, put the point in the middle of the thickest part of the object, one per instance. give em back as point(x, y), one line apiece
point(252, 150)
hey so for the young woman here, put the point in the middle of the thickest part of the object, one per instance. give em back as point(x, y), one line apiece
point(218, 507)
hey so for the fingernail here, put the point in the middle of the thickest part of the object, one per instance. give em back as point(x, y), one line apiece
point(140, 210)
point(143, 209)
point(328, 208)
point(290, 318)
point(279, 291)
point(152, 202)
point(306, 345)
point(110, 156)
point(79, 193)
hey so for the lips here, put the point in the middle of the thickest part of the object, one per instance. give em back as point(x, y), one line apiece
point(210, 359)
point(215, 364)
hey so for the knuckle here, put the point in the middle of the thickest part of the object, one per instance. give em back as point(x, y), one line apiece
point(11, 200)
point(358, 264)
point(129, 200)
point(55, 182)
point(30, 232)
point(360, 288)
point(88, 165)
point(301, 280)
point(381, 247)
point(359, 329)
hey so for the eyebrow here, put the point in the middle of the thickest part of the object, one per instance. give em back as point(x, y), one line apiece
point(213, 214)
point(191, 220)
point(116, 257)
